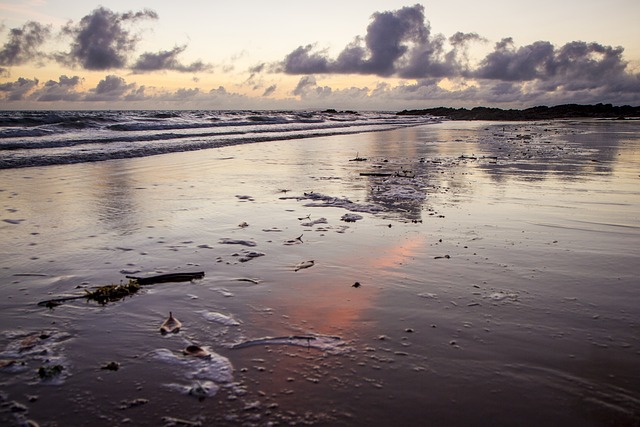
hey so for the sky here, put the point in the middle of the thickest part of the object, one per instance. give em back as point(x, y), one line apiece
point(286, 54)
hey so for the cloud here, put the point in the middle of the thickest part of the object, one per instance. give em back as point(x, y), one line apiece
point(186, 93)
point(65, 89)
point(167, 60)
point(23, 44)
point(268, 91)
point(397, 43)
point(522, 64)
point(100, 39)
point(112, 88)
point(401, 44)
point(305, 84)
point(303, 61)
point(578, 70)
point(18, 90)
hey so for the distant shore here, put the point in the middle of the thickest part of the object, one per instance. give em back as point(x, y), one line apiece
point(565, 111)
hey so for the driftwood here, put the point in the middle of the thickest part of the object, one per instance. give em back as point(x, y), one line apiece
point(170, 277)
point(101, 295)
point(110, 293)
point(375, 174)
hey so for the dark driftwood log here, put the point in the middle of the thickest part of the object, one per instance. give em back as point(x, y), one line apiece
point(375, 174)
point(170, 277)
point(108, 293)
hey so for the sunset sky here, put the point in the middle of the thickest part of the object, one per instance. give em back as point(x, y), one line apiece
point(365, 55)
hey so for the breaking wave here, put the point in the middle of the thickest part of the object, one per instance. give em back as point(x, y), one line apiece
point(48, 138)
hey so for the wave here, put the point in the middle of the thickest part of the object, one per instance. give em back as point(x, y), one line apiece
point(47, 138)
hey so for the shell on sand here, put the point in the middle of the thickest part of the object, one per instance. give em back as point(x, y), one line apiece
point(196, 351)
point(171, 325)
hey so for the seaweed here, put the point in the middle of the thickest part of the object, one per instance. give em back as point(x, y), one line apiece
point(49, 372)
point(112, 293)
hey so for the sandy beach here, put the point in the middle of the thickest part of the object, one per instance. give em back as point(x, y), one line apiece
point(463, 273)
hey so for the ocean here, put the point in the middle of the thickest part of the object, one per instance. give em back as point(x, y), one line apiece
point(38, 138)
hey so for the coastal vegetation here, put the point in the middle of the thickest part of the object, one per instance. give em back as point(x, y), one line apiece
point(565, 111)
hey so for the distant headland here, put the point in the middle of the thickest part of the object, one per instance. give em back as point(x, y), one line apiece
point(565, 111)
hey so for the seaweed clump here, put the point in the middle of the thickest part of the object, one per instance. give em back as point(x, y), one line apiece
point(112, 293)
point(49, 372)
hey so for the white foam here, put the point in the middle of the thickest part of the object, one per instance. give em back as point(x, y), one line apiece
point(328, 343)
point(215, 368)
point(213, 316)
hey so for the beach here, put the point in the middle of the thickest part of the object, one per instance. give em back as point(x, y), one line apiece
point(453, 274)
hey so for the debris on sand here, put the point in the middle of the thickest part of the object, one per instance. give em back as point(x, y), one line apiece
point(314, 222)
point(357, 158)
point(111, 366)
point(321, 200)
point(296, 241)
point(171, 325)
point(304, 264)
point(227, 241)
point(196, 351)
point(50, 372)
point(351, 217)
point(111, 293)
point(246, 255)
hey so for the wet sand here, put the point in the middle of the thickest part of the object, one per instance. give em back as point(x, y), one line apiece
point(497, 266)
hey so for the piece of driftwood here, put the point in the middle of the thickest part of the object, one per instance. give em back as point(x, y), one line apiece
point(110, 293)
point(101, 295)
point(170, 277)
point(375, 174)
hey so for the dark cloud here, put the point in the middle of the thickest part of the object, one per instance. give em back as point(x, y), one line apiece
point(186, 93)
point(101, 41)
point(396, 43)
point(23, 44)
point(136, 94)
point(18, 90)
point(167, 60)
point(62, 90)
point(303, 61)
point(111, 88)
point(256, 69)
point(522, 64)
point(305, 84)
point(581, 68)
point(268, 91)
point(392, 34)
point(400, 43)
